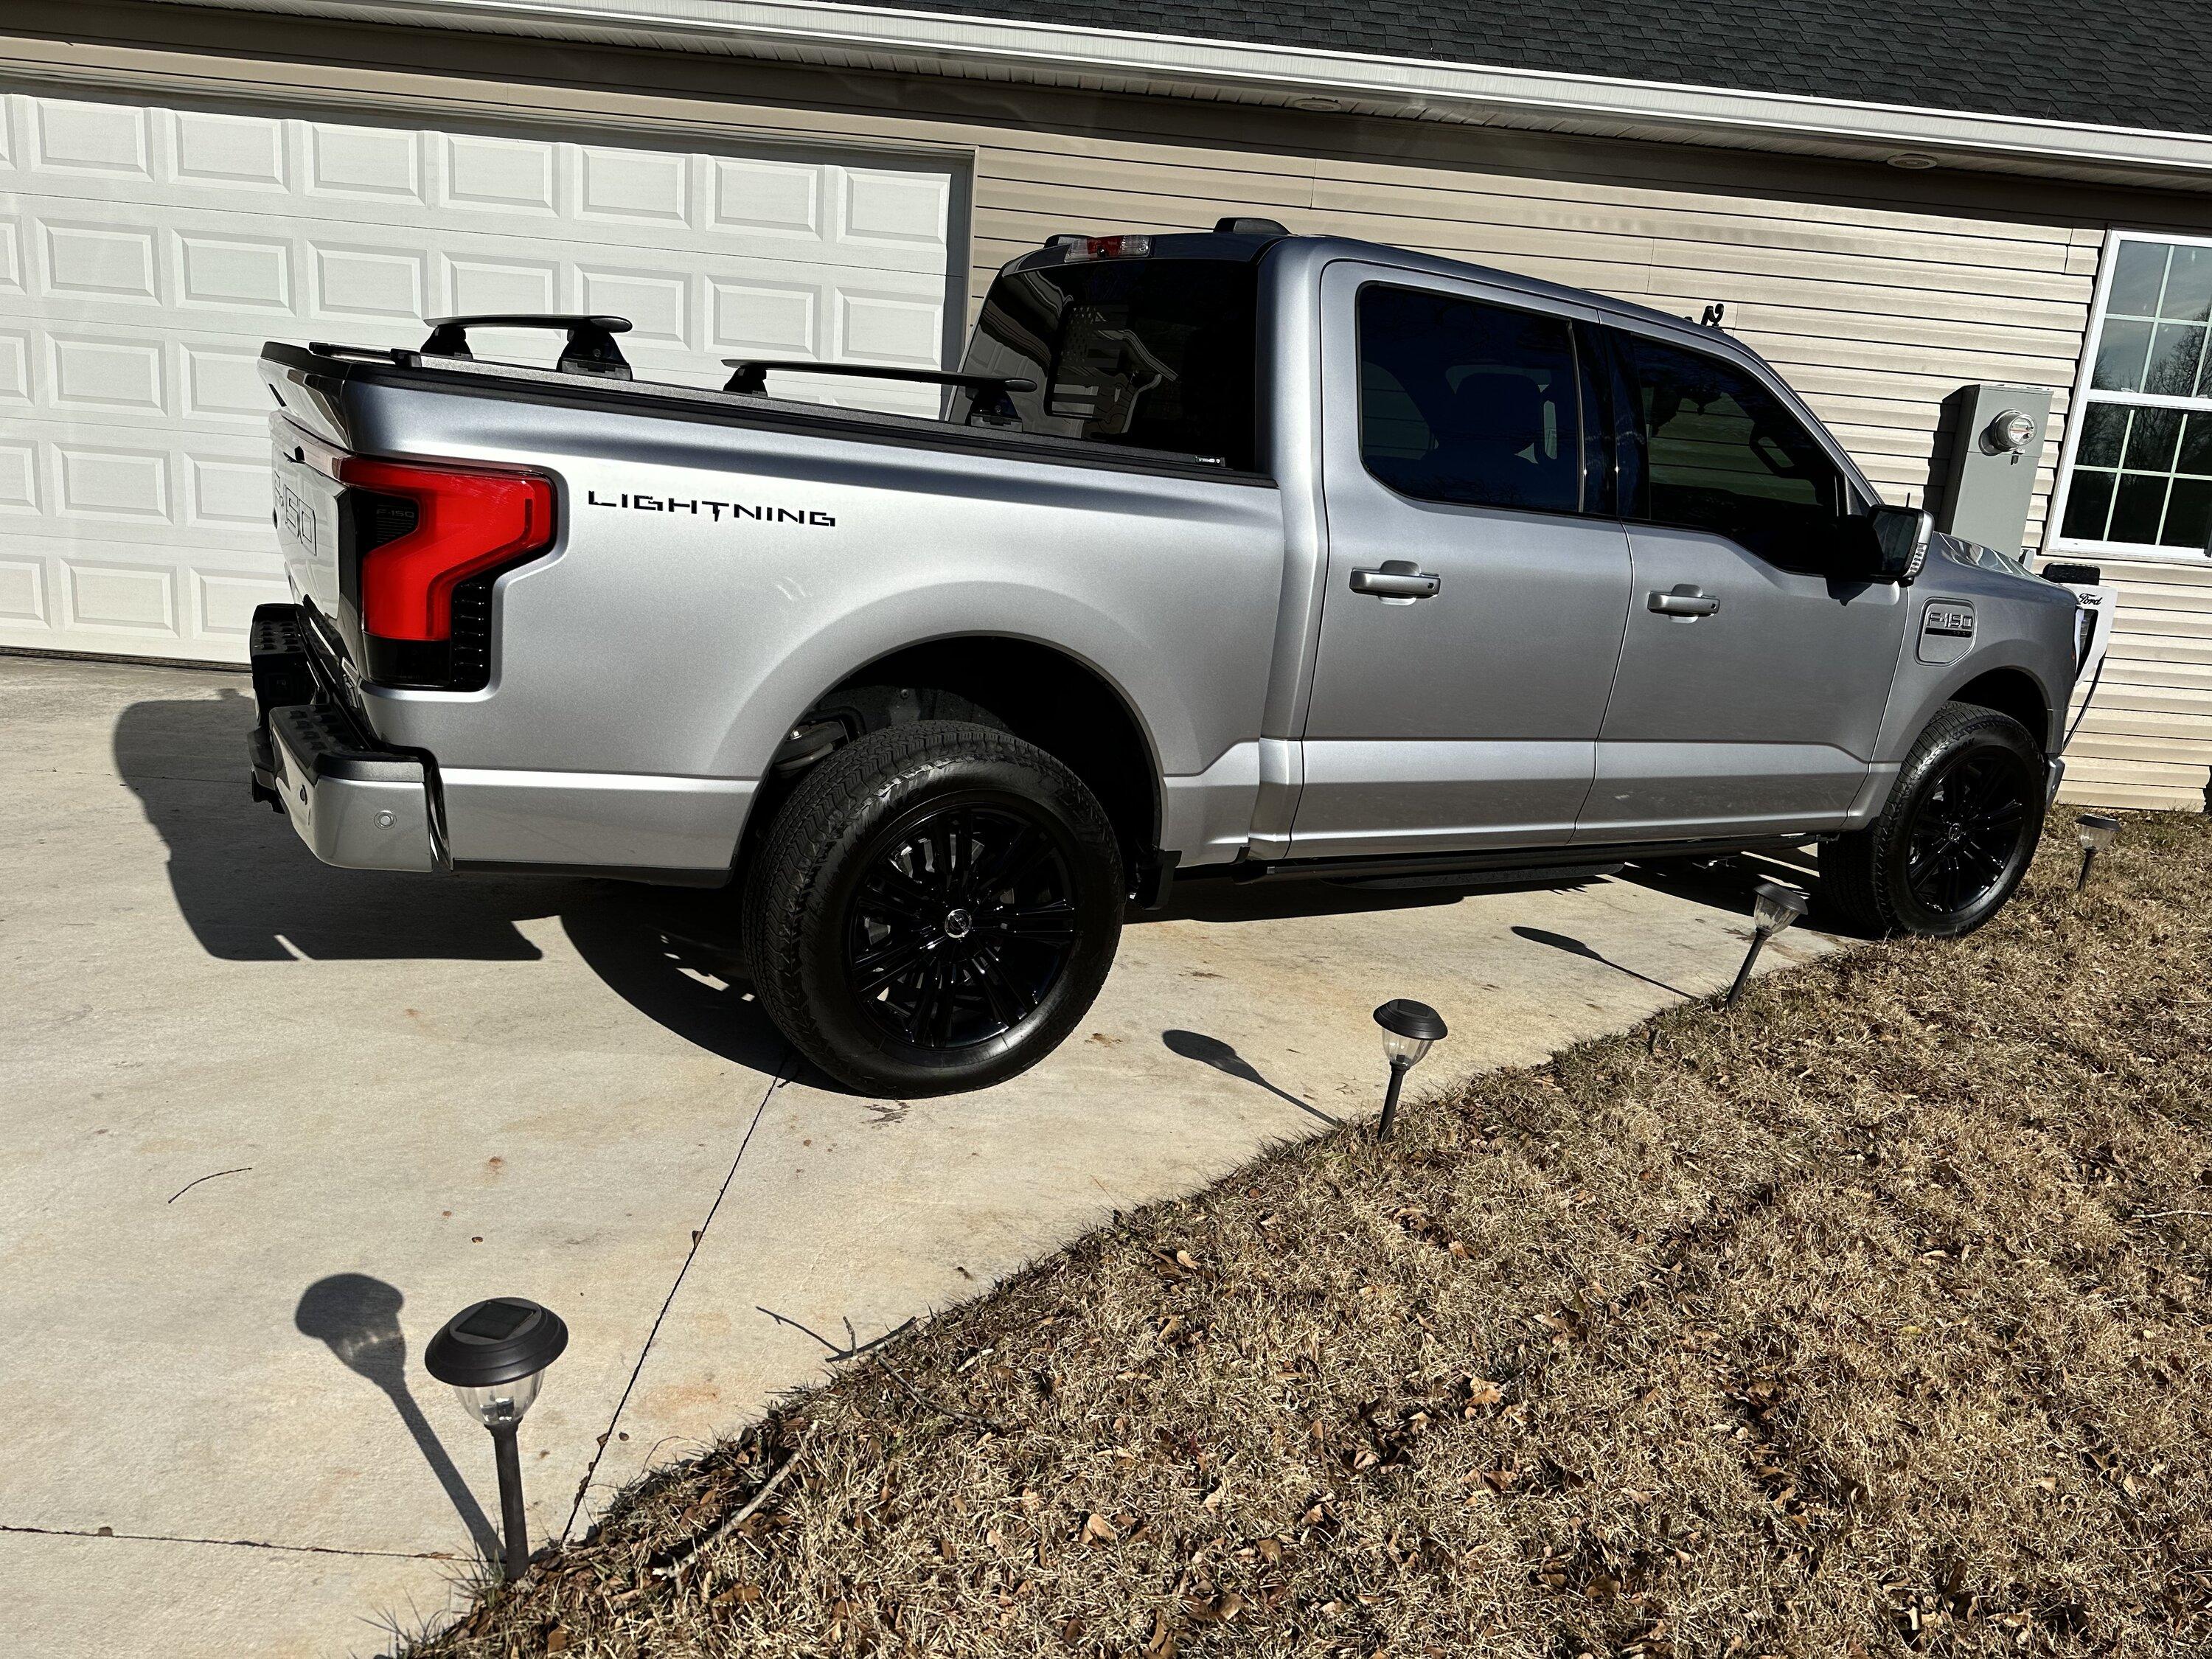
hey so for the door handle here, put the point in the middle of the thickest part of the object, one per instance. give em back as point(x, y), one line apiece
point(1683, 601)
point(1398, 579)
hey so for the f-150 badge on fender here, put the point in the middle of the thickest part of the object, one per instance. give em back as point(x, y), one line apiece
point(711, 509)
point(1947, 630)
point(1955, 621)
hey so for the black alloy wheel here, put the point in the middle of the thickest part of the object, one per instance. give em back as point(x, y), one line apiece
point(961, 925)
point(1967, 834)
point(934, 908)
point(1953, 839)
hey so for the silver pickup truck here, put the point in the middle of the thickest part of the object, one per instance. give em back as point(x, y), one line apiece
point(1236, 554)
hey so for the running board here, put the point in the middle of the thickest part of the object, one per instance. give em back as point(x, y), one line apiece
point(1511, 863)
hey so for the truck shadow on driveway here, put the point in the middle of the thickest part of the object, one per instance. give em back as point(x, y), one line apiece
point(251, 892)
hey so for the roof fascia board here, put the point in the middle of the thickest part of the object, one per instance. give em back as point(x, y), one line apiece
point(956, 44)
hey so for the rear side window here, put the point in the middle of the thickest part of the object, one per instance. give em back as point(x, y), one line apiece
point(1467, 403)
point(1157, 353)
point(1722, 453)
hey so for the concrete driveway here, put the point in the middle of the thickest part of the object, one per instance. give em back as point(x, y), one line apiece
point(269, 1124)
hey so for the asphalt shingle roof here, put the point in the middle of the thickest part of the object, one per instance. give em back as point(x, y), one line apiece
point(2147, 63)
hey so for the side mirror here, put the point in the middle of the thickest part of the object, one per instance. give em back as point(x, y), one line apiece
point(1893, 541)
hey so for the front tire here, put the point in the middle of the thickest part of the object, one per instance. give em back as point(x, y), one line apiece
point(1956, 836)
point(933, 910)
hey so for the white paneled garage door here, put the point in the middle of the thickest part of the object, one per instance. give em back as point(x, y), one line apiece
point(146, 253)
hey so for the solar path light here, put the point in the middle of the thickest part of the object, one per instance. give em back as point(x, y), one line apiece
point(1408, 1028)
point(1773, 908)
point(2098, 832)
point(495, 1354)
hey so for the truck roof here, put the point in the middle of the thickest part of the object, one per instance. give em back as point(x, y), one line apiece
point(1243, 245)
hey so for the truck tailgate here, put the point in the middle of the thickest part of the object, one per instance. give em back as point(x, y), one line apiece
point(310, 530)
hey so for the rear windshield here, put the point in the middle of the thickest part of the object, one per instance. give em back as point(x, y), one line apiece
point(1157, 354)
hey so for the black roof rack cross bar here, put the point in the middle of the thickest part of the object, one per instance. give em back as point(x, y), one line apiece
point(591, 348)
point(749, 375)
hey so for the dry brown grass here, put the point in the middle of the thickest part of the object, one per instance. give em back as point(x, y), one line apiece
point(1869, 1318)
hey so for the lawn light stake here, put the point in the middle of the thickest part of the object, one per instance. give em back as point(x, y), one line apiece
point(2098, 832)
point(495, 1354)
point(1773, 908)
point(1408, 1028)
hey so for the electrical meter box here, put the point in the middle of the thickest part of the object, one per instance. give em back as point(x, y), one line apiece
point(1996, 440)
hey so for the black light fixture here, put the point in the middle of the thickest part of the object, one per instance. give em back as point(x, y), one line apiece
point(1773, 908)
point(2098, 832)
point(495, 1354)
point(1408, 1029)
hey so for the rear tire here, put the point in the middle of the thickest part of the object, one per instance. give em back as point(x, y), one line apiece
point(934, 908)
point(1954, 839)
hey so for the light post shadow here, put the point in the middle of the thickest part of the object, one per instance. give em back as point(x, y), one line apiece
point(357, 1318)
point(1575, 947)
point(1213, 1051)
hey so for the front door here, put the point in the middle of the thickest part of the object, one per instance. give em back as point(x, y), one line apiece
point(1474, 609)
point(1753, 678)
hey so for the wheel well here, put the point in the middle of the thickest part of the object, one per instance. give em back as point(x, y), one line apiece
point(2010, 692)
point(1040, 694)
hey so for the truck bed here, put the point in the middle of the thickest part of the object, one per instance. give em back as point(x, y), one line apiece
point(320, 373)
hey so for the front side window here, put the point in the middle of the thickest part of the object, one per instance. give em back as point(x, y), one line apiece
point(1154, 354)
point(1720, 451)
point(1470, 403)
point(2141, 480)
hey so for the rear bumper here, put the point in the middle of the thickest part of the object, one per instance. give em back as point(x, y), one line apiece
point(356, 803)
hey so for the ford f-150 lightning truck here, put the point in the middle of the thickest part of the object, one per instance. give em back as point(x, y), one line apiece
point(1238, 554)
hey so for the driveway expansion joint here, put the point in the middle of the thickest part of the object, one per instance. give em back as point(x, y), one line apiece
point(784, 1074)
point(226, 1543)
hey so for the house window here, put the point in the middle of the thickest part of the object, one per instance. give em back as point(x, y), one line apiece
point(2138, 476)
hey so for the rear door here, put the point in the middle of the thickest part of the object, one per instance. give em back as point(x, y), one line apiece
point(1476, 580)
point(1753, 678)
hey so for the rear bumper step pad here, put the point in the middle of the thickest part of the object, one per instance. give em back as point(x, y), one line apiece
point(356, 803)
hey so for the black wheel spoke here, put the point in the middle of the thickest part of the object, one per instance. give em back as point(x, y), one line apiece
point(1920, 858)
point(960, 928)
point(897, 892)
point(1009, 1006)
point(1966, 833)
point(1000, 867)
point(876, 969)
point(1040, 922)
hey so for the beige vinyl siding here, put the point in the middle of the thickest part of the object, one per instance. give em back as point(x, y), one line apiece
point(1876, 292)
point(2146, 738)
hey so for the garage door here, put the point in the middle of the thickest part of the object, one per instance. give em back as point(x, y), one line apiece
point(146, 251)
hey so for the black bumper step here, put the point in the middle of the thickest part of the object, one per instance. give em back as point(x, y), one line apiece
point(323, 739)
point(320, 735)
point(276, 645)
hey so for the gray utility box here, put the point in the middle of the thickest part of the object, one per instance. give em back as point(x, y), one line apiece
point(1995, 436)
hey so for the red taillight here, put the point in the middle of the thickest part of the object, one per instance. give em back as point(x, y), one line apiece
point(465, 521)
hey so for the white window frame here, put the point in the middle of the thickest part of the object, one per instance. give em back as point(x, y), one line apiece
point(2077, 412)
